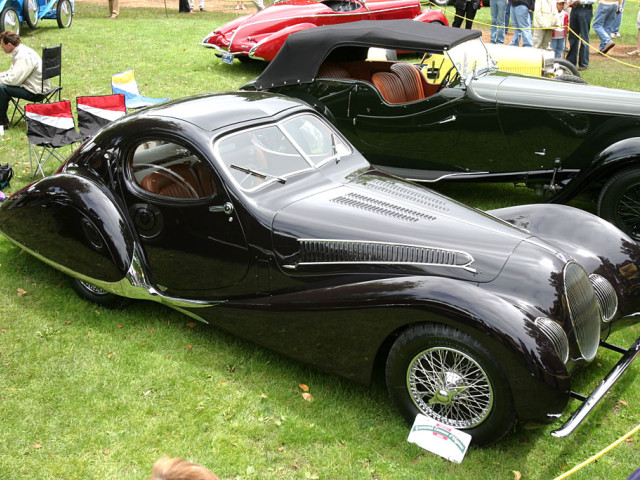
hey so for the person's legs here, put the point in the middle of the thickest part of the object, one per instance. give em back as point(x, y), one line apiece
point(601, 21)
point(517, 33)
point(584, 21)
point(557, 44)
point(523, 19)
point(618, 20)
point(574, 41)
point(459, 18)
point(470, 14)
point(498, 10)
point(8, 91)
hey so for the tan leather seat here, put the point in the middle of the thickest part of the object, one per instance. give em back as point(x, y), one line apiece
point(390, 87)
point(332, 70)
point(411, 79)
point(205, 179)
point(178, 181)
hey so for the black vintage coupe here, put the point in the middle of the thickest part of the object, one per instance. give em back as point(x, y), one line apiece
point(456, 117)
point(249, 211)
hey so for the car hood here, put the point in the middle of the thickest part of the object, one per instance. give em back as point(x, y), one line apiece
point(554, 94)
point(380, 225)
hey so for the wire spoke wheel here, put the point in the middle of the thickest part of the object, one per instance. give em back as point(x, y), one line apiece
point(619, 202)
point(450, 387)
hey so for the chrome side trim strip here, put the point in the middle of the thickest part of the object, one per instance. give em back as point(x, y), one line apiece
point(596, 395)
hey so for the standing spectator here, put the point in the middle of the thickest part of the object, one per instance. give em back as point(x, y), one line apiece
point(465, 10)
point(24, 77)
point(200, 4)
point(579, 25)
point(560, 32)
point(114, 8)
point(604, 22)
point(240, 5)
point(637, 50)
point(521, 18)
point(544, 15)
point(498, 16)
point(618, 22)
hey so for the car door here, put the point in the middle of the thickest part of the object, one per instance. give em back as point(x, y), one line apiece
point(193, 243)
point(443, 134)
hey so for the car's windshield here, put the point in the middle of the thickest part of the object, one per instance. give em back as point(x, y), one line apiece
point(272, 153)
point(469, 57)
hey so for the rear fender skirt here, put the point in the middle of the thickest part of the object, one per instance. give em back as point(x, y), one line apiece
point(341, 329)
point(73, 224)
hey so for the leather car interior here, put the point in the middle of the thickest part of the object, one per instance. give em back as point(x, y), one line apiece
point(180, 181)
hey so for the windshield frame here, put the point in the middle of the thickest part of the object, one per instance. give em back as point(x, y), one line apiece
point(470, 57)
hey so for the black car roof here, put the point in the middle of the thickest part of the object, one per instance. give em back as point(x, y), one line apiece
point(219, 110)
point(300, 57)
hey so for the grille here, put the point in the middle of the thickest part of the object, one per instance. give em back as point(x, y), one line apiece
point(583, 309)
point(606, 295)
point(416, 195)
point(344, 251)
point(556, 334)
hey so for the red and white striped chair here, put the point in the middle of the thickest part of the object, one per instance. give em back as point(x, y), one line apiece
point(50, 126)
point(94, 112)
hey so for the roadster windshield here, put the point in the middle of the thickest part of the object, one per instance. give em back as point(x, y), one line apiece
point(262, 155)
point(470, 56)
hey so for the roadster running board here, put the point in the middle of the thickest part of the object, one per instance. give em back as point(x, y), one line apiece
point(603, 387)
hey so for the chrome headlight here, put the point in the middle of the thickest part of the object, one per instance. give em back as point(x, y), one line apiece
point(606, 295)
point(554, 332)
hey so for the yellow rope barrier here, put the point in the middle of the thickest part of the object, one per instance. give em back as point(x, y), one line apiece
point(598, 455)
point(445, 10)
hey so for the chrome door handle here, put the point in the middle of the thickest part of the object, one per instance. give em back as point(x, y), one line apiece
point(226, 208)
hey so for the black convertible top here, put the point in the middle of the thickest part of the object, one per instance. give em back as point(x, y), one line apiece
point(303, 52)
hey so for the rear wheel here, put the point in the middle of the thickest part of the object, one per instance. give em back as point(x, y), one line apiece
point(9, 20)
point(97, 295)
point(30, 12)
point(449, 376)
point(64, 13)
point(619, 201)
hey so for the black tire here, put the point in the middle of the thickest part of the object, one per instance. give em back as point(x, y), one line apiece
point(567, 65)
point(30, 12)
point(9, 20)
point(619, 201)
point(97, 295)
point(571, 79)
point(64, 13)
point(426, 352)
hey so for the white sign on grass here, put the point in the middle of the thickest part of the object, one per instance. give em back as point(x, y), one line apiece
point(439, 438)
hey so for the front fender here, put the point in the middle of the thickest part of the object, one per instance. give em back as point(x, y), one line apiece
point(268, 47)
point(430, 16)
point(342, 329)
point(615, 157)
point(71, 223)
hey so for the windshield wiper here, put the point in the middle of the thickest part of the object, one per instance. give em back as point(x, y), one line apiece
point(334, 149)
point(258, 174)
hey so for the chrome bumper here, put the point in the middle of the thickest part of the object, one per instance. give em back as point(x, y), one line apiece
point(603, 387)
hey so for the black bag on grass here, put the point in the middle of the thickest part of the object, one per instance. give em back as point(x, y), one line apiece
point(6, 174)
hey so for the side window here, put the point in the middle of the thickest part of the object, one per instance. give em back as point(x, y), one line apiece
point(170, 170)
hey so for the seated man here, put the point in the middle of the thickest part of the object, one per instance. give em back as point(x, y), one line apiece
point(24, 77)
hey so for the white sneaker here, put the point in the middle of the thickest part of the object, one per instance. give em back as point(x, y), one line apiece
point(615, 35)
point(243, 7)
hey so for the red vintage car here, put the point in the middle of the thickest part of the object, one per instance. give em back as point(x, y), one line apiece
point(260, 36)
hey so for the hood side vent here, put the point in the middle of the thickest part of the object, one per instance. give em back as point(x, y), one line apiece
point(324, 251)
point(380, 207)
point(406, 192)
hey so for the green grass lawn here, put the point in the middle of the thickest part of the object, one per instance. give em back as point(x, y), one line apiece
point(88, 393)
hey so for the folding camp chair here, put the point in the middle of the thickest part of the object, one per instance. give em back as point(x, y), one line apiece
point(50, 126)
point(51, 68)
point(96, 111)
point(125, 83)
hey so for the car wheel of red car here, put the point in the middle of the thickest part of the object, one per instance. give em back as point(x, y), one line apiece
point(449, 376)
point(97, 295)
point(619, 201)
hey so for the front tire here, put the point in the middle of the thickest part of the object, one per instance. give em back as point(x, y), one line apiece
point(451, 377)
point(9, 20)
point(64, 14)
point(30, 12)
point(619, 201)
point(97, 295)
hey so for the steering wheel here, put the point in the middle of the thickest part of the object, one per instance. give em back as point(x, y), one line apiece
point(447, 79)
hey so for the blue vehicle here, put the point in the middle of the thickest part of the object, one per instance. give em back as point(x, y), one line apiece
point(16, 12)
